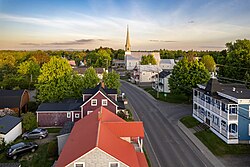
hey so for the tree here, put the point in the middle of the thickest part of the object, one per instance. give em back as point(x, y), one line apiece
point(90, 78)
point(55, 80)
point(186, 75)
point(29, 121)
point(209, 63)
point(112, 80)
point(149, 59)
point(238, 59)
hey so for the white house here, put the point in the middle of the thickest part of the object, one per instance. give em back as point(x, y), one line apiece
point(10, 128)
point(225, 108)
point(161, 82)
point(167, 64)
point(145, 73)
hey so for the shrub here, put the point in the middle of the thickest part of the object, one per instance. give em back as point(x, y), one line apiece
point(52, 149)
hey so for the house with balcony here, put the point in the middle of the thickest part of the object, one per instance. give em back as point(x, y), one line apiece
point(145, 74)
point(104, 139)
point(160, 83)
point(225, 108)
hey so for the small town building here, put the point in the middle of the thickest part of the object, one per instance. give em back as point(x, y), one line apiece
point(225, 108)
point(10, 128)
point(145, 74)
point(104, 139)
point(16, 100)
point(167, 64)
point(160, 82)
point(57, 114)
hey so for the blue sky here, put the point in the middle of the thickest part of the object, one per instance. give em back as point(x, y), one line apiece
point(180, 24)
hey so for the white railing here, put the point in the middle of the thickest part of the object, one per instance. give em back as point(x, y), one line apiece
point(233, 135)
point(224, 114)
point(216, 127)
point(224, 132)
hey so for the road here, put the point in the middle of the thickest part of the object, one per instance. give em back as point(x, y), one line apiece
point(166, 145)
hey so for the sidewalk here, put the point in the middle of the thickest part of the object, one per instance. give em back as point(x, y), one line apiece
point(206, 152)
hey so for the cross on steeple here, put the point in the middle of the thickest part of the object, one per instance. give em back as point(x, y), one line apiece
point(127, 45)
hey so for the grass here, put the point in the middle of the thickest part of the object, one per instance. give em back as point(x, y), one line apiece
point(39, 158)
point(219, 147)
point(54, 130)
point(189, 121)
point(171, 98)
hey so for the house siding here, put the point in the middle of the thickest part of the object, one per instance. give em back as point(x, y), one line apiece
point(24, 101)
point(244, 121)
point(13, 133)
point(96, 157)
point(87, 107)
point(52, 119)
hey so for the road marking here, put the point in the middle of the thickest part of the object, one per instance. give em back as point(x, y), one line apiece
point(146, 137)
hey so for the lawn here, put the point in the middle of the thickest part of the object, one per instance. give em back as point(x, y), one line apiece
point(171, 98)
point(189, 121)
point(219, 147)
point(54, 130)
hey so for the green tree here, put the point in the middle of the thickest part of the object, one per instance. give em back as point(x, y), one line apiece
point(209, 62)
point(112, 80)
point(55, 80)
point(29, 69)
point(29, 121)
point(149, 59)
point(186, 75)
point(238, 59)
point(90, 78)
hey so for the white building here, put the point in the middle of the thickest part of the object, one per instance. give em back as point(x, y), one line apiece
point(145, 73)
point(10, 128)
point(167, 64)
point(161, 83)
point(225, 108)
point(133, 58)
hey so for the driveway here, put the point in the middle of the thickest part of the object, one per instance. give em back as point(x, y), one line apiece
point(165, 143)
point(49, 138)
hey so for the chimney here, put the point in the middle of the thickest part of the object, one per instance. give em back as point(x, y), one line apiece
point(102, 85)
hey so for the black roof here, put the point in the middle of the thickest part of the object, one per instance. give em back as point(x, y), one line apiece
point(8, 122)
point(67, 127)
point(213, 86)
point(10, 98)
point(120, 103)
point(164, 73)
point(99, 87)
point(10, 164)
point(238, 91)
point(59, 106)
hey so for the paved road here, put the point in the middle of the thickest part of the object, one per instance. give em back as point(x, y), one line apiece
point(165, 143)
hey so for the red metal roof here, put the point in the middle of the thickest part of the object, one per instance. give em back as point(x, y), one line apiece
point(96, 130)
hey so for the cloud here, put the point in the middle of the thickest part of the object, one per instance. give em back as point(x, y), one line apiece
point(190, 22)
point(155, 40)
point(66, 43)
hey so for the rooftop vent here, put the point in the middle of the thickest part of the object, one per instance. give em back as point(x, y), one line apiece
point(234, 89)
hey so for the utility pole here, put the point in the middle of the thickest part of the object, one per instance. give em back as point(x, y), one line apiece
point(157, 86)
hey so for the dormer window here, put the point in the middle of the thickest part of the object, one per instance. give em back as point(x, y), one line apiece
point(94, 102)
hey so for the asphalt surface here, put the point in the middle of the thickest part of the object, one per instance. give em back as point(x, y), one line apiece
point(165, 144)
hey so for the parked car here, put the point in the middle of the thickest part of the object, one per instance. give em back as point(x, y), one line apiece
point(38, 133)
point(20, 148)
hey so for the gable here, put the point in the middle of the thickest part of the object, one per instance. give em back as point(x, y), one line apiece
point(99, 95)
point(96, 157)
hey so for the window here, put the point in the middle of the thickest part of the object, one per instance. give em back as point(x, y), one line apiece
point(114, 164)
point(88, 112)
point(249, 129)
point(68, 114)
point(104, 102)
point(79, 164)
point(94, 102)
point(77, 115)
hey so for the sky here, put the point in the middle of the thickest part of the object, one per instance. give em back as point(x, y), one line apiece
point(153, 25)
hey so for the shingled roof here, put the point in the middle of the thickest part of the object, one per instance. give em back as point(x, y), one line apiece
point(8, 122)
point(102, 129)
point(11, 98)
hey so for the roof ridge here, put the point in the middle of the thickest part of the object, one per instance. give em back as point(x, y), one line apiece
point(99, 126)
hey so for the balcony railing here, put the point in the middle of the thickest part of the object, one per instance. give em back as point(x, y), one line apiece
point(233, 135)
point(233, 117)
point(224, 132)
point(216, 127)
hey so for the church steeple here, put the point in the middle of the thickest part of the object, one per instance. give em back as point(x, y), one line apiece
point(127, 45)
